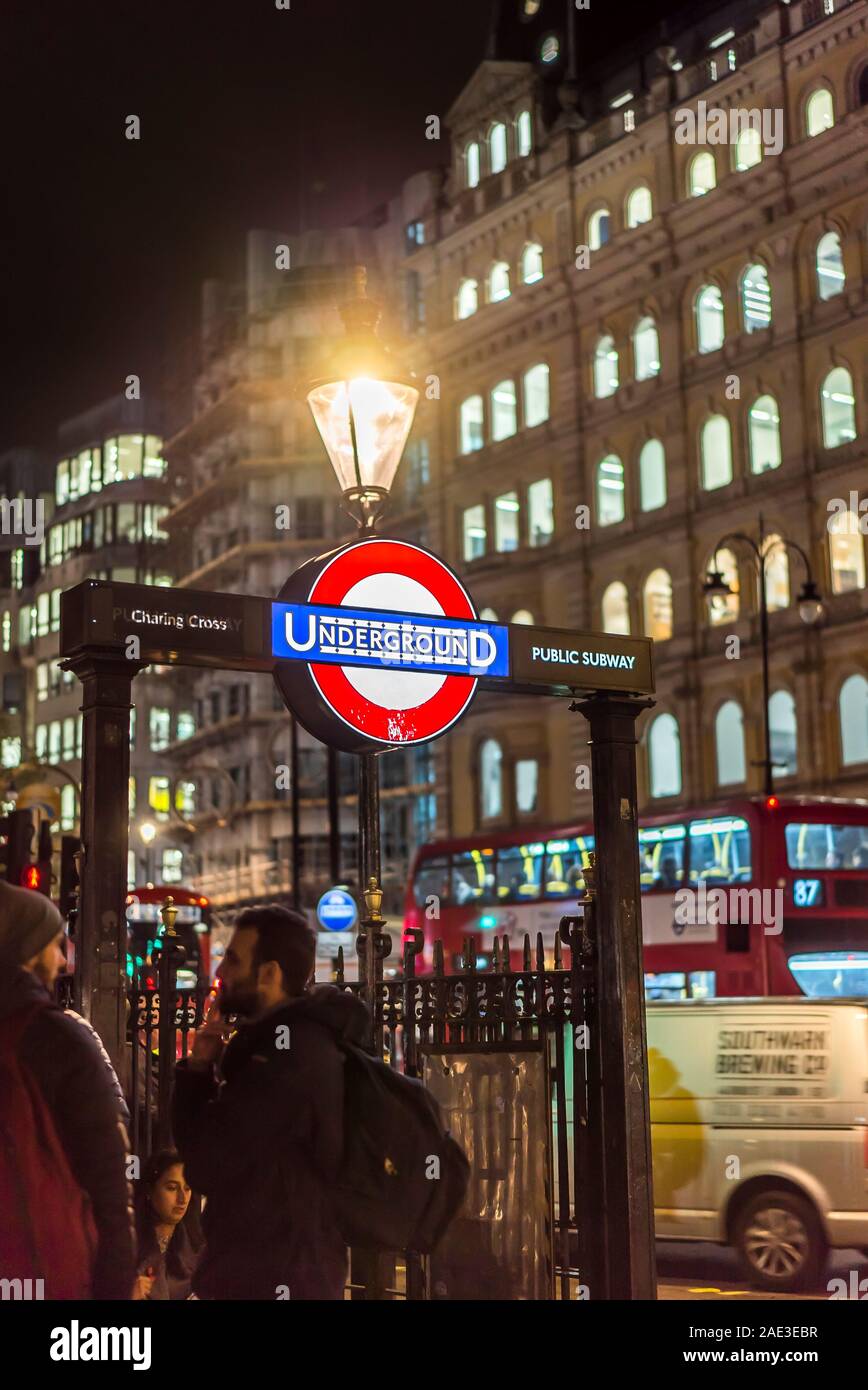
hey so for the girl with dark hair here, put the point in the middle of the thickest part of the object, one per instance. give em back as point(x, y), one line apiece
point(167, 1227)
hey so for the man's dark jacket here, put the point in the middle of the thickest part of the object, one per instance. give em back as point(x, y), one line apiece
point(79, 1091)
point(264, 1145)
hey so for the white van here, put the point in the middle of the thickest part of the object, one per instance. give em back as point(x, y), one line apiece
point(759, 1125)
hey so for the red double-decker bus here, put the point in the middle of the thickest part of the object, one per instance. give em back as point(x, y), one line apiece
point(192, 925)
point(747, 896)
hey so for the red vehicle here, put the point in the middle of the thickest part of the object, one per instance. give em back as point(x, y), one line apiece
point(749, 896)
point(192, 924)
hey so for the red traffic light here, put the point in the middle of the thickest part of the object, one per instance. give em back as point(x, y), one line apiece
point(772, 803)
point(31, 877)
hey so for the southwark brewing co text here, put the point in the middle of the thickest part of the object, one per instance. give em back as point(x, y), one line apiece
point(195, 622)
point(772, 1052)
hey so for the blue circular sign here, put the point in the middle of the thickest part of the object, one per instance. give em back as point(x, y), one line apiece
point(336, 910)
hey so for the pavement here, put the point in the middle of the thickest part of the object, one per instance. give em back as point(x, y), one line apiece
point(700, 1272)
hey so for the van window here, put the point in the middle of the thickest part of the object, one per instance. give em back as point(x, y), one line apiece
point(720, 850)
point(473, 876)
point(661, 857)
point(566, 861)
point(432, 880)
point(519, 873)
point(819, 846)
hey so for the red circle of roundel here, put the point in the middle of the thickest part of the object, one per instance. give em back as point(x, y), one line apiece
point(433, 716)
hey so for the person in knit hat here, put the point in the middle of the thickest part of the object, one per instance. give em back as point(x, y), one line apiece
point(65, 1061)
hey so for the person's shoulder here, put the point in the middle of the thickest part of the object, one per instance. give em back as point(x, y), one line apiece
point(69, 1039)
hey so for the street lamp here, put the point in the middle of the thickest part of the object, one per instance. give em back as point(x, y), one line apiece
point(808, 599)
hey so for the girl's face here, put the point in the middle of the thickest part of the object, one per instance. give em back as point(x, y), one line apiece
point(170, 1195)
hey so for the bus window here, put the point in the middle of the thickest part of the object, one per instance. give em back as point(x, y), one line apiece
point(519, 873)
point(669, 984)
point(473, 876)
point(720, 850)
point(661, 857)
point(818, 846)
point(566, 861)
point(831, 974)
point(432, 881)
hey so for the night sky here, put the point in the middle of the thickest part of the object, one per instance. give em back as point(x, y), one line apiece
point(251, 116)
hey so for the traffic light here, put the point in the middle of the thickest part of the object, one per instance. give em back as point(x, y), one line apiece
point(17, 832)
point(38, 875)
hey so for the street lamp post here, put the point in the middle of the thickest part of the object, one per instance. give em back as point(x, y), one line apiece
point(810, 611)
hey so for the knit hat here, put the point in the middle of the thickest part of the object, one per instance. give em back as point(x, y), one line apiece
point(28, 921)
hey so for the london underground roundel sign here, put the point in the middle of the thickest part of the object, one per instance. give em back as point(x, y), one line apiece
point(379, 646)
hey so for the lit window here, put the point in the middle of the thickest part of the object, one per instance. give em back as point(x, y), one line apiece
point(61, 490)
point(171, 865)
point(467, 299)
point(716, 453)
point(503, 410)
point(185, 799)
point(526, 784)
point(69, 738)
point(491, 778)
point(598, 228)
point(17, 566)
point(657, 605)
point(524, 133)
point(616, 609)
point(629, 120)
point(7, 631)
point(540, 512)
point(830, 266)
point(652, 476)
point(488, 615)
point(161, 729)
point(506, 509)
point(41, 740)
point(610, 491)
point(43, 610)
point(55, 610)
point(130, 456)
point(497, 147)
point(819, 112)
point(186, 725)
point(729, 744)
point(723, 608)
point(605, 368)
point(55, 741)
point(777, 572)
point(550, 49)
point(838, 408)
point(532, 263)
point(471, 164)
point(523, 617)
point(646, 349)
point(756, 299)
point(471, 425)
point(498, 282)
point(473, 531)
point(639, 207)
point(709, 319)
point(853, 720)
point(664, 756)
point(784, 733)
point(846, 553)
point(701, 174)
point(748, 149)
point(158, 797)
point(10, 752)
point(42, 681)
point(154, 463)
point(67, 807)
point(764, 431)
point(536, 395)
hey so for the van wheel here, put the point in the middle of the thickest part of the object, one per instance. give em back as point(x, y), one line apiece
point(780, 1241)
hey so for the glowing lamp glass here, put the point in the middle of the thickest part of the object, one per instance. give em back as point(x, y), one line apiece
point(380, 412)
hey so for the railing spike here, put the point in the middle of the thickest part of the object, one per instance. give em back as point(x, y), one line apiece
point(540, 952)
point(559, 953)
point(527, 957)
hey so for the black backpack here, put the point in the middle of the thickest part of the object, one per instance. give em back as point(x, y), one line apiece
point(388, 1194)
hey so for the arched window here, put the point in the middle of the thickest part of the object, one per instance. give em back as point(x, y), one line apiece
point(488, 615)
point(777, 571)
point(639, 206)
point(715, 450)
point(497, 148)
point(471, 164)
point(708, 310)
point(853, 720)
point(532, 263)
point(756, 299)
point(784, 733)
point(523, 134)
point(616, 609)
point(748, 149)
point(503, 410)
point(701, 174)
point(467, 299)
point(470, 432)
point(605, 367)
point(846, 553)
point(819, 112)
point(664, 756)
point(657, 605)
point(498, 282)
point(764, 433)
point(523, 616)
point(652, 476)
point(831, 278)
point(646, 349)
point(491, 779)
point(598, 228)
point(838, 408)
point(723, 608)
point(610, 490)
point(729, 744)
point(536, 395)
